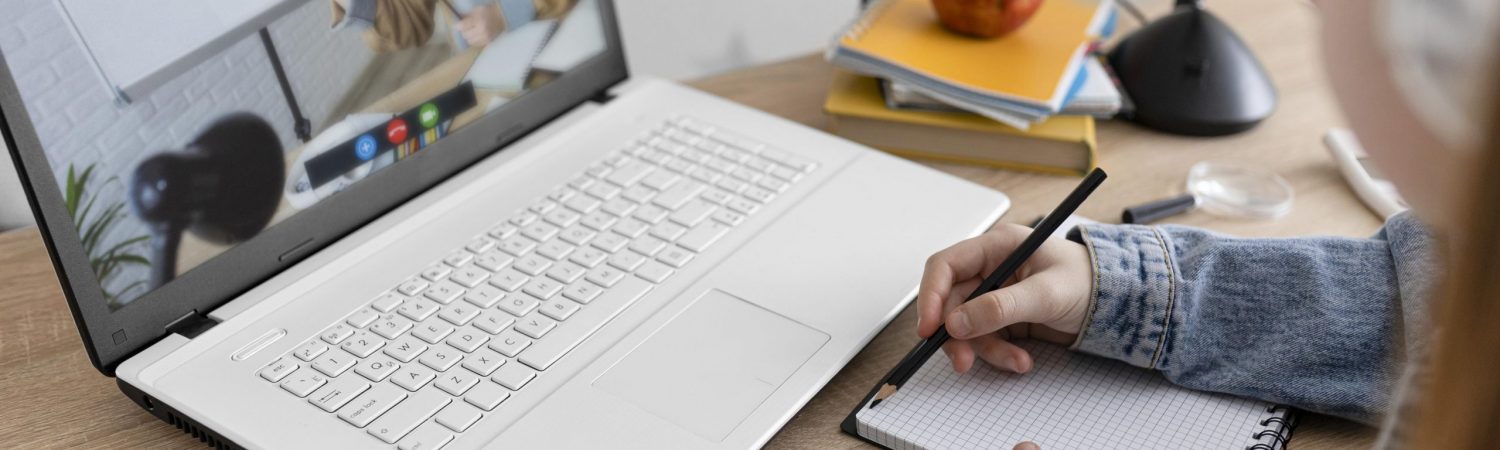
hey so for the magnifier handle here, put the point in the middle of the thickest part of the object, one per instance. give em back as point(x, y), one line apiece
point(1157, 210)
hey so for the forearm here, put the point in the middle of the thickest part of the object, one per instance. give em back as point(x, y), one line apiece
point(388, 24)
point(1311, 322)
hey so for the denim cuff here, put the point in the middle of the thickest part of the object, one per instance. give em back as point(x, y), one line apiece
point(1130, 311)
point(360, 15)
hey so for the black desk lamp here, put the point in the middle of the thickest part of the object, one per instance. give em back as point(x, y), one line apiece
point(224, 188)
point(1188, 73)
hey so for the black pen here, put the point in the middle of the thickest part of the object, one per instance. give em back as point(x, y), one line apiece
point(919, 355)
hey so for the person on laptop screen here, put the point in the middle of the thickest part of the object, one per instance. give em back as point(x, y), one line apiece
point(1331, 325)
point(265, 96)
point(391, 25)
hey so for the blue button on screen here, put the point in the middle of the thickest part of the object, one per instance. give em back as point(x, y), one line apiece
point(364, 147)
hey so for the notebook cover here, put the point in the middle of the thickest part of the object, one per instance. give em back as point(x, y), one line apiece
point(1029, 65)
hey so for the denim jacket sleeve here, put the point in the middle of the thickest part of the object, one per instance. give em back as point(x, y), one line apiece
point(1321, 323)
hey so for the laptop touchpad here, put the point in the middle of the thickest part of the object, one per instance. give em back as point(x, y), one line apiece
point(712, 365)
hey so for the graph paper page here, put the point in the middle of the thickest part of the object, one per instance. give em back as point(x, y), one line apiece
point(1067, 401)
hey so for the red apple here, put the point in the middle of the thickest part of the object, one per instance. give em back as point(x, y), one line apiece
point(985, 18)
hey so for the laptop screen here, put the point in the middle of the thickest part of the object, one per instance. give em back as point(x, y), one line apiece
point(180, 130)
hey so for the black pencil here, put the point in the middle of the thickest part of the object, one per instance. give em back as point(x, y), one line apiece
point(919, 355)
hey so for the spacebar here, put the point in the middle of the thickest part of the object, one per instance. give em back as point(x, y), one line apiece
point(583, 324)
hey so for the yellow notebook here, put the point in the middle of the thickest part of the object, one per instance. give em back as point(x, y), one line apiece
point(1035, 66)
point(1059, 145)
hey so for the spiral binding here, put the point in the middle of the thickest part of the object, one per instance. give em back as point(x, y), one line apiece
point(1285, 424)
point(871, 12)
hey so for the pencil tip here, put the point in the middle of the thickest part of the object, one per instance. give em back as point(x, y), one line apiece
point(886, 391)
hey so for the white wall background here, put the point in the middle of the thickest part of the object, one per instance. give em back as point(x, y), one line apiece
point(676, 39)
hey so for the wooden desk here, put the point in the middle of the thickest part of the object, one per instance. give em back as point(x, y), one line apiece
point(54, 398)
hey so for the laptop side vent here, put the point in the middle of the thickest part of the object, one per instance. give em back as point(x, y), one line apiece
point(198, 432)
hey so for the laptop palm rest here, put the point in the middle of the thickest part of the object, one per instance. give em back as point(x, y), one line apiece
point(708, 368)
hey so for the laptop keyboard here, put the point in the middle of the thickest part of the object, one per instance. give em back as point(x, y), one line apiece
point(425, 361)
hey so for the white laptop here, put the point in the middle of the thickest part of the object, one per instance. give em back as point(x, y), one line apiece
point(286, 239)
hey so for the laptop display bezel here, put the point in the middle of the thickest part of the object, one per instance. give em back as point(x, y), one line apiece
point(110, 336)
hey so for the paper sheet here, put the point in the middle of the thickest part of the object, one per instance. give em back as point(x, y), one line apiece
point(1067, 401)
point(505, 62)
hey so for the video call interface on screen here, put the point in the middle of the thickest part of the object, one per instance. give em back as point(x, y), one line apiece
point(260, 108)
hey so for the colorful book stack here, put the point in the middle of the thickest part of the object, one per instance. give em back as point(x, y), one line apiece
point(1026, 100)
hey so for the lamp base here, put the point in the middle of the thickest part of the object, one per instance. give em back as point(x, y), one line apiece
point(1188, 73)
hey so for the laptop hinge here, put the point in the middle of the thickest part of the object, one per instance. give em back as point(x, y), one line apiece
point(603, 96)
point(192, 324)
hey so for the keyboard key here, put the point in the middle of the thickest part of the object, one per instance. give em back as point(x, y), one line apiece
point(337, 333)
point(517, 245)
point(484, 296)
point(417, 309)
point(562, 217)
point(468, 276)
point(693, 213)
point(371, 404)
point(598, 221)
point(628, 173)
point(436, 272)
point(480, 245)
point(459, 258)
point(650, 213)
point(405, 349)
point(729, 217)
point(361, 318)
point(458, 314)
point(654, 272)
point(535, 325)
point(413, 377)
point(588, 257)
point(675, 257)
point(376, 369)
point(456, 382)
point(746, 174)
point(661, 180)
point(605, 276)
point(559, 308)
point(310, 350)
point(582, 292)
point(703, 236)
point(509, 343)
point(562, 194)
point(494, 260)
point(504, 230)
point(483, 362)
point(638, 194)
point(555, 249)
point(533, 264)
point(743, 206)
point(759, 165)
point(667, 231)
point(387, 302)
point(704, 174)
point(759, 195)
point(390, 326)
point(585, 205)
point(468, 339)
point(631, 228)
point(567, 336)
point(518, 304)
point(679, 166)
point(363, 344)
point(582, 182)
point(509, 280)
point(487, 395)
point(610, 242)
point(278, 370)
point(786, 173)
point(412, 287)
point(678, 195)
point(619, 207)
point(432, 331)
point(543, 207)
point(493, 322)
point(647, 245)
point(543, 288)
point(303, 382)
point(440, 358)
point(524, 219)
point(627, 261)
point(603, 192)
point(458, 416)
point(334, 395)
point(513, 376)
point(566, 272)
point(333, 364)
point(731, 185)
point(394, 425)
point(429, 436)
point(772, 185)
point(444, 292)
point(716, 196)
point(578, 235)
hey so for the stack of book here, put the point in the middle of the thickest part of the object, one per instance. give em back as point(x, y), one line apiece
point(1026, 100)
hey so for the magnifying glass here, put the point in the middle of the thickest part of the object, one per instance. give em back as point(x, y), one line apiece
point(1225, 189)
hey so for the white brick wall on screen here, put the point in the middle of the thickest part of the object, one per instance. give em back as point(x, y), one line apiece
point(79, 122)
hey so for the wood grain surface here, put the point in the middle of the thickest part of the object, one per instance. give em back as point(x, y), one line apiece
point(54, 398)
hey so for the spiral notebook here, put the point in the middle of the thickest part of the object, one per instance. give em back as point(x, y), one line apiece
point(1067, 401)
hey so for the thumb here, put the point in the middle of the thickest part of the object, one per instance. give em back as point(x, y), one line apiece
point(1023, 302)
point(1027, 445)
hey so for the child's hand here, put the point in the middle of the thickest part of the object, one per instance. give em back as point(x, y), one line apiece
point(482, 25)
point(1046, 299)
